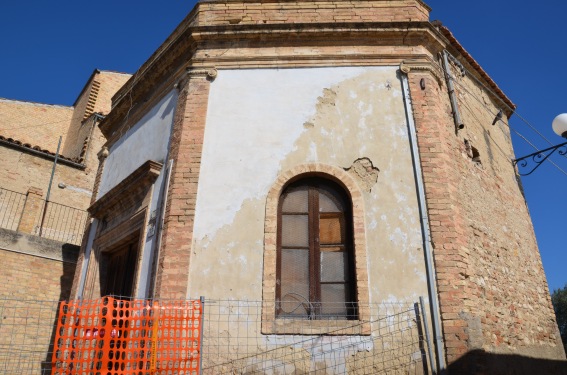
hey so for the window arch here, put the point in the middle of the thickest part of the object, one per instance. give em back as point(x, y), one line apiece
point(315, 276)
point(272, 323)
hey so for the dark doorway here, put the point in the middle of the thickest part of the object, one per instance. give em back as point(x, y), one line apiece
point(121, 264)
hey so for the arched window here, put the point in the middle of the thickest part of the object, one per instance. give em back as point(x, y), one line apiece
point(315, 274)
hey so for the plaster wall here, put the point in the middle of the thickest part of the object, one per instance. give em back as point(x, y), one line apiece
point(148, 139)
point(263, 122)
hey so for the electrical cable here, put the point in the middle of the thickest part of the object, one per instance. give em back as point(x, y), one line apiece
point(504, 122)
point(469, 74)
point(507, 124)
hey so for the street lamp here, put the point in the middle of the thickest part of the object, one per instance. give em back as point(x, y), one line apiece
point(529, 163)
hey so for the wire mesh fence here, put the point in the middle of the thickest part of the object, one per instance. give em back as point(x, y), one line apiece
point(237, 340)
point(27, 329)
point(119, 337)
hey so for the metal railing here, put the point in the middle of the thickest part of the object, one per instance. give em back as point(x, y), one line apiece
point(11, 208)
point(62, 223)
point(50, 220)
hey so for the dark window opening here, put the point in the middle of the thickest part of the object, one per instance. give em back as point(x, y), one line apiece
point(315, 262)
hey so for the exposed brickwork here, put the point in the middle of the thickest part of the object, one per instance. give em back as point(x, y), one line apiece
point(492, 288)
point(40, 124)
point(95, 97)
point(20, 280)
point(436, 140)
point(21, 170)
point(34, 123)
point(186, 147)
point(32, 274)
point(256, 12)
point(32, 209)
point(269, 325)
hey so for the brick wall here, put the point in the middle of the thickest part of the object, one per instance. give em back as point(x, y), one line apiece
point(492, 288)
point(256, 12)
point(95, 98)
point(34, 123)
point(39, 269)
point(186, 147)
point(21, 170)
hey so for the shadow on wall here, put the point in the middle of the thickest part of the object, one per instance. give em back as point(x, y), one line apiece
point(70, 254)
point(479, 362)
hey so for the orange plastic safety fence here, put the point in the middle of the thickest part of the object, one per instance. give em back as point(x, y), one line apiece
point(122, 337)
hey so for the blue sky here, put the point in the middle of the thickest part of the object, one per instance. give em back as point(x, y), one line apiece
point(49, 49)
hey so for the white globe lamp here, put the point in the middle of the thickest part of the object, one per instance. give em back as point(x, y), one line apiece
point(559, 125)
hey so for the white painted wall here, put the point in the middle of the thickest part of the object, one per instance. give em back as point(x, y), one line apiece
point(261, 122)
point(147, 140)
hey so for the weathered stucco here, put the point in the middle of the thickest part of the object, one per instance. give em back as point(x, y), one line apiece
point(256, 130)
point(147, 140)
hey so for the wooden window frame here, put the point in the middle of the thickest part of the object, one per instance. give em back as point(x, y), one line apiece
point(273, 325)
point(315, 186)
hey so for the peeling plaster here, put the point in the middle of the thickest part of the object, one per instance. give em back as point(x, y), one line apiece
point(147, 140)
point(262, 122)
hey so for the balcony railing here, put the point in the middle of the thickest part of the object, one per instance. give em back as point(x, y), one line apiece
point(28, 213)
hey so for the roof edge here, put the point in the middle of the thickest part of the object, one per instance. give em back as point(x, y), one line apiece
point(29, 102)
point(468, 57)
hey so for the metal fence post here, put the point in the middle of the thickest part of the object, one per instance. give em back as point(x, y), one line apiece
point(426, 326)
point(202, 300)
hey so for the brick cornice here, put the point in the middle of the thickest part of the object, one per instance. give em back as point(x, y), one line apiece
point(182, 52)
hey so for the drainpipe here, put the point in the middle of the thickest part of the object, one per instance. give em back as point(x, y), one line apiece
point(456, 115)
point(425, 233)
point(159, 228)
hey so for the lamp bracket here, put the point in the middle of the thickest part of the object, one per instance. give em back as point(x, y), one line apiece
point(529, 163)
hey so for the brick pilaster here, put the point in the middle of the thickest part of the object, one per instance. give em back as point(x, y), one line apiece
point(438, 149)
point(186, 147)
point(32, 210)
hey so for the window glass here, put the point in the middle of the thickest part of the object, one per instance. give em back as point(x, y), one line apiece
point(315, 264)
